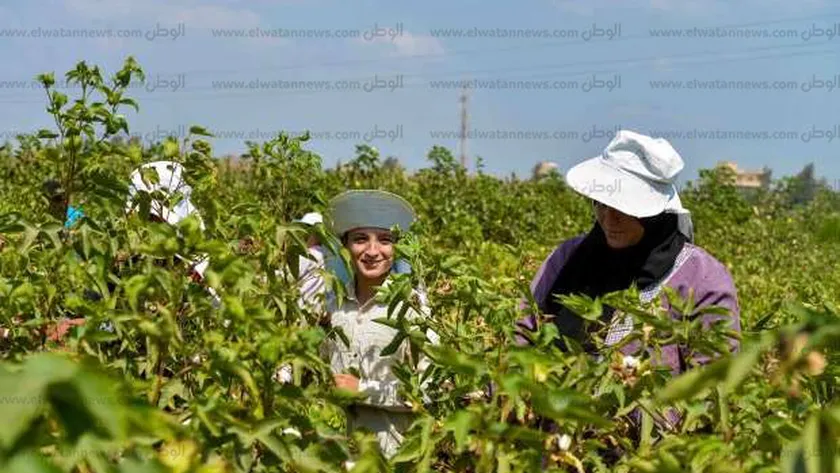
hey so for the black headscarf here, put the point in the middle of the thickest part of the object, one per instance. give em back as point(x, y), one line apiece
point(595, 269)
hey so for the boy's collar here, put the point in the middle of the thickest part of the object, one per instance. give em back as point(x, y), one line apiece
point(350, 291)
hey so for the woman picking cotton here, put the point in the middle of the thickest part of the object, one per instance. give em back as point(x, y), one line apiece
point(169, 202)
point(642, 236)
point(363, 220)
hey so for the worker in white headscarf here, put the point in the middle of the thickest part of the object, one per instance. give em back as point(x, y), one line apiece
point(641, 236)
point(170, 200)
point(311, 283)
point(170, 203)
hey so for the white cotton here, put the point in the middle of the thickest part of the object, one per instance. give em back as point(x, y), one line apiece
point(284, 374)
point(630, 362)
point(564, 442)
point(292, 431)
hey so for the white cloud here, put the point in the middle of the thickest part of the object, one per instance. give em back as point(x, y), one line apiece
point(662, 64)
point(411, 45)
point(407, 44)
point(211, 16)
point(104, 9)
point(195, 16)
point(589, 7)
point(593, 7)
point(693, 7)
point(683, 6)
point(191, 17)
point(621, 110)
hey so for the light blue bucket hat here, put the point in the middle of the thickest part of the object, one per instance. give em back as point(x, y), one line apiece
point(369, 208)
point(364, 209)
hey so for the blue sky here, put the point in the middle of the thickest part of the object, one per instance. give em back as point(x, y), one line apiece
point(606, 79)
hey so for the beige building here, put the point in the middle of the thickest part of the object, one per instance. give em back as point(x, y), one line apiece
point(543, 169)
point(748, 179)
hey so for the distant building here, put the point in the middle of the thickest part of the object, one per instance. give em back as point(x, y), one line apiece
point(749, 179)
point(544, 168)
point(233, 162)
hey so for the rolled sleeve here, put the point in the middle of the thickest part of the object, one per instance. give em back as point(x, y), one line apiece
point(541, 287)
point(720, 292)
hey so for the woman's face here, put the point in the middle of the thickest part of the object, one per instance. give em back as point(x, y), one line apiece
point(372, 251)
point(621, 230)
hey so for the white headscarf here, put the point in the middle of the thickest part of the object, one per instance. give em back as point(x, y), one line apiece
point(170, 182)
point(170, 177)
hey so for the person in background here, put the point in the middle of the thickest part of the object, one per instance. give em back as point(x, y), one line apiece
point(310, 279)
point(56, 199)
point(311, 282)
point(173, 208)
point(641, 236)
point(363, 219)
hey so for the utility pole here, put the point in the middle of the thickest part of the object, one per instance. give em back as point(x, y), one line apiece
point(464, 123)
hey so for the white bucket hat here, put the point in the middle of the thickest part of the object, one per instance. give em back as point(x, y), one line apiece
point(369, 208)
point(636, 175)
point(170, 182)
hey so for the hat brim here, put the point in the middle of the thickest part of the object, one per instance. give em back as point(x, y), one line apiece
point(174, 216)
point(623, 191)
point(369, 209)
point(310, 219)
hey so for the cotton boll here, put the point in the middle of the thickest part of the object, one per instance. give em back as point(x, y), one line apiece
point(630, 362)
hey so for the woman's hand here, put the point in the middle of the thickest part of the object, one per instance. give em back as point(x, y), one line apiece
point(346, 381)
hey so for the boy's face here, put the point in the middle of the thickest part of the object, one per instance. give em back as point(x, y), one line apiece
point(372, 251)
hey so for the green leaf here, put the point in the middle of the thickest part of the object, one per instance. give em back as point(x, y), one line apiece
point(459, 424)
point(21, 402)
point(29, 462)
point(200, 131)
point(455, 360)
point(742, 364)
point(392, 347)
point(131, 102)
point(171, 149)
point(47, 79)
point(172, 388)
point(693, 382)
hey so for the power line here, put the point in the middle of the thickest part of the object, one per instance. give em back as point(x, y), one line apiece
point(529, 46)
point(214, 94)
point(496, 50)
point(493, 50)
